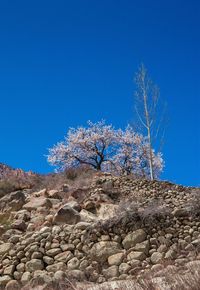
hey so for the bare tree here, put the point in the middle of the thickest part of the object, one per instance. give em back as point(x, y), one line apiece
point(150, 113)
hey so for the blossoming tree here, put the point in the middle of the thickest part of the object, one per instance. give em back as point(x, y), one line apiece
point(132, 155)
point(93, 146)
point(104, 148)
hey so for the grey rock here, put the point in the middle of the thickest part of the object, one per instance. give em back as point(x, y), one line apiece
point(102, 250)
point(66, 215)
point(34, 264)
point(133, 238)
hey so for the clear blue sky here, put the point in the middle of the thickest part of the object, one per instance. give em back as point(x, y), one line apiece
point(64, 62)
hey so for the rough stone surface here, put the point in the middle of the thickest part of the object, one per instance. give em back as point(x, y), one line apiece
point(102, 250)
point(133, 238)
point(34, 265)
point(66, 215)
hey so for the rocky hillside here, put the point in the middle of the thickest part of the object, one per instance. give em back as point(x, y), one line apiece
point(110, 233)
point(7, 172)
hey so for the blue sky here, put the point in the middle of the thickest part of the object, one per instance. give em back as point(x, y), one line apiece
point(64, 62)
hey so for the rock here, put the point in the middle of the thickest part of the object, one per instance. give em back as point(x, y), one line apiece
point(42, 192)
point(136, 256)
point(111, 272)
point(17, 275)
point(4, 248)
point(60, 275)
point(124, 268)
point(4, 280)
point(73, 264)
point(36, 255)
point(134, 263)
point(156, 257)
point(48, 260)
point(19, 225)
point(64, 257)
point(133, 238)
point(115, 259)
point(60, 266)
point(66, 215)
point(102, 250)
point(180, 212)
point(87, 216)
point(162, 248)
point(76, 275)
point(53, 194)
point(39, 202)
point(82, 226)
point(12, 201)
point(34, 264)
point(170, 254)
point(142, 247)
point(196, 243)
point(106, 211)
point(9, 270)
point(13, 285)
point(22, 215)
point(67, 247)
point(20, 267)
point(53, 252)
point(73, 204)
point(26, 277)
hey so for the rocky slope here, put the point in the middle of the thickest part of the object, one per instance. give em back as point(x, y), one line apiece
point(112, 229)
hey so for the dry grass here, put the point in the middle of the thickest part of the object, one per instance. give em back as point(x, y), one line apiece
point(74, 177)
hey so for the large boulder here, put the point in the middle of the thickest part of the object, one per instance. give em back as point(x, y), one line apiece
point(12, 201)
point(66, 215)
point(133, 238)
point(107, 210)
point(38, 202)
point(102, 250)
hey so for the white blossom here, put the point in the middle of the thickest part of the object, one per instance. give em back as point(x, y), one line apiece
point(104, 148)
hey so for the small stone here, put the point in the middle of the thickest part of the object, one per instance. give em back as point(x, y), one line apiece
point(53, 252)
point(20, 267)
point(26, 277)
point(134, 238)
point(64, 256)
point(4, 280)
point(111, 272)
point(34, 264)
point(73, 264)
point(115, 259)
point(4, 248)
point(76, 275)
point(124, 268)
point(156, 257)
point(136, 256)
point(9, 270)
point(60, 275)
point(36, 255)
point(56, 267)
point(48, 260)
